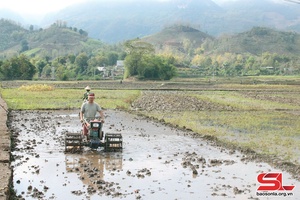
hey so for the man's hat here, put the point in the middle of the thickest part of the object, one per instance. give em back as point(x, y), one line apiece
point(91, 95)
point(87, 88)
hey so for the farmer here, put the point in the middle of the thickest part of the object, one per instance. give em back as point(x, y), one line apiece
point(89, 111)
point(86, 94)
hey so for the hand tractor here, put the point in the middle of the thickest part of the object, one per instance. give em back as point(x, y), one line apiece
point(94, 139)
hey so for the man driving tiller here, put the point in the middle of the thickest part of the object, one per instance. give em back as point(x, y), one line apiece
point(88, 113)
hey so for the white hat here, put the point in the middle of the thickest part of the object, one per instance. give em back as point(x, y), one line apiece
point(87, 88)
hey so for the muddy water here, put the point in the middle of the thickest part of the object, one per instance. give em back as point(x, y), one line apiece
point(157, 162)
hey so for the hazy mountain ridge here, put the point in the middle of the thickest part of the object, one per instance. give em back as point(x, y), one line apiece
point(113, 21)
point(257, 41)
point(251, 13)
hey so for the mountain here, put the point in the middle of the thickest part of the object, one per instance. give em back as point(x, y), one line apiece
point(118, 21)
point(179, 38)
point(243, 15)
point(184, 39)
point(11, 34)
point(59, 40)
point(56, 40)
point(256, 41)
point(114, 21)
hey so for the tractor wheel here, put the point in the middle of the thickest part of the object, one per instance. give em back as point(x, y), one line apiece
point(73, 142)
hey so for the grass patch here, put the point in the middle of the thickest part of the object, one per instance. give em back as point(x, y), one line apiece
point(22, 99)
point(239, 101)
point(271, 132)
point(267, 125)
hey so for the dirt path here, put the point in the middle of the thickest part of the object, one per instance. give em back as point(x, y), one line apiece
point(157, 162)
point(5, 171)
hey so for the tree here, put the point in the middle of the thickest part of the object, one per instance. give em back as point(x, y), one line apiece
point(156, 67)
point(131, 62)
point(72, 58)
point(18, 68)
point(82, 32)
point(135, 50)
point(62, 73)
point(166, 69)
point(24, 46)
point(40, 64)
point(98, 60)
point(47, 70)
point(112, 58)
point(198, 60)
point(82, 62)
point(149, 67)
point(137, 46)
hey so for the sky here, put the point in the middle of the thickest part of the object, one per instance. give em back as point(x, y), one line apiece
point(41, 7)
point(36, 7)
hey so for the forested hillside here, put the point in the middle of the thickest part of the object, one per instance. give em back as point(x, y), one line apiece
point(11, 34)
point(64, 53)
point(259, 51)
point(178, 39)
point(54, 41)
point(257, 41)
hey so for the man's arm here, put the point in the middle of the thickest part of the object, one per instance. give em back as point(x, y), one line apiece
point(101, 116)
point(81, 116)
point(81, 113)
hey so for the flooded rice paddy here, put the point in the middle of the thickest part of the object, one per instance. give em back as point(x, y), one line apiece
point(157, 162)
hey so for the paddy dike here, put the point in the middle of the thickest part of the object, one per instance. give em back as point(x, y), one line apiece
point(157, 162)
point(5, 170)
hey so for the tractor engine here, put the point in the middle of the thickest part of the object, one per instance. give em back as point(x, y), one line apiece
point(95, 134)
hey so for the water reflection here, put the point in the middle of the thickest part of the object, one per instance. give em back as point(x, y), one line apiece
point(92, 166)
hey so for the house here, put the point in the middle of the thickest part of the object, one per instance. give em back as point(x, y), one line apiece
point(120, 64)
point(101, 69)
